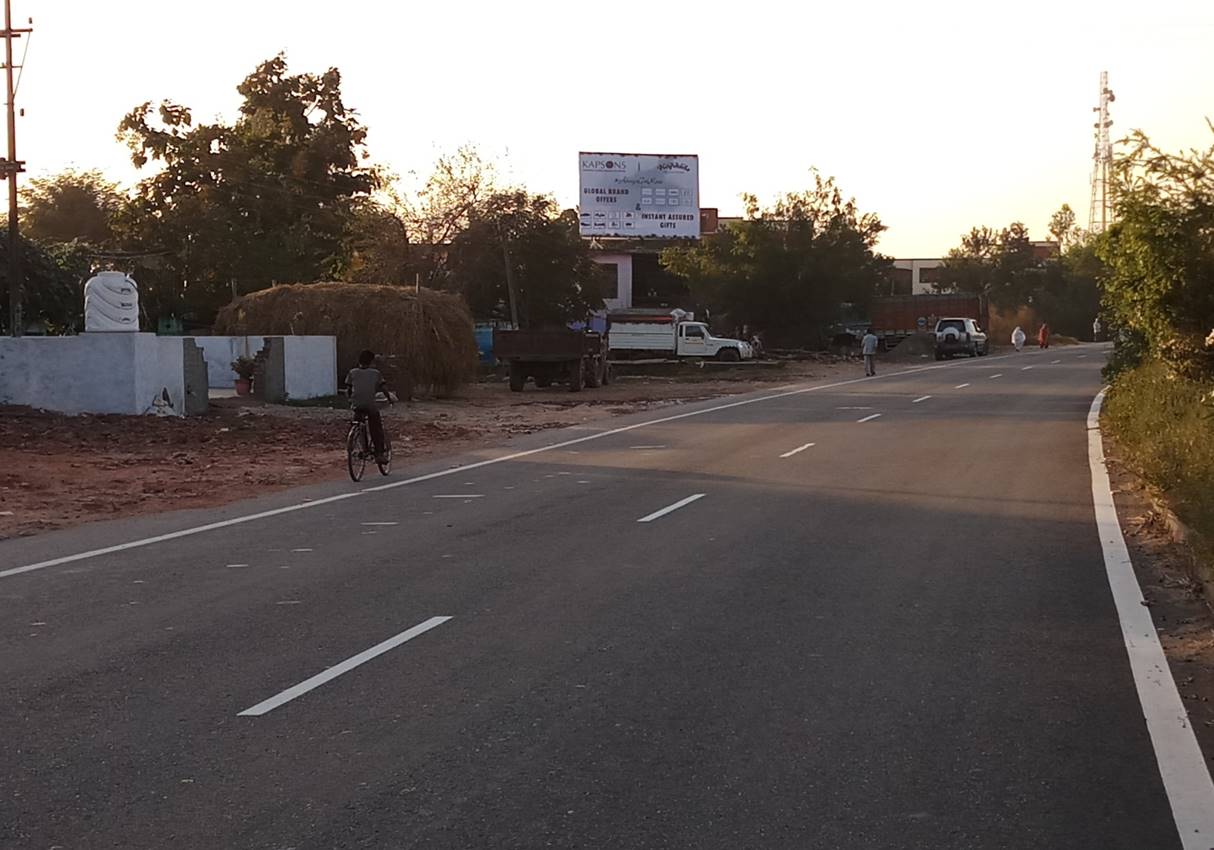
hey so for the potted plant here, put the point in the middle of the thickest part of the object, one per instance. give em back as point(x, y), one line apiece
point(244, 368)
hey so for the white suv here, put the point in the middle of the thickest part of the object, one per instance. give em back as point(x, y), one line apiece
point(960, 336)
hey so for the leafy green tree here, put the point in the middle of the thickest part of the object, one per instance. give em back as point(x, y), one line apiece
point(53, 294)
point(787, 269)
point(1069, 297)
point(999, 265)
point(1159, 285)
point(238, 207)
point(1064, 228)
point(461, 183)
point(72, 206)
point(377, 244)
point(554, 278)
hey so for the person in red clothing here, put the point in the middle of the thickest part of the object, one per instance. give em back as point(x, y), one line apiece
point(1043, 336)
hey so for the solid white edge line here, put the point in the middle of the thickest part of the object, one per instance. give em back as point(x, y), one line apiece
point(671, 508)
point(869, 418)
point(1186, 779)
point(798, 449)
point(212, 526)
point(268, 705)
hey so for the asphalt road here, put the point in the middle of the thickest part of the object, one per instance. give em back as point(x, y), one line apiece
point(900, 636)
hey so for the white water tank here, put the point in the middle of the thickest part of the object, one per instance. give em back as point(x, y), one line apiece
point(111, 303)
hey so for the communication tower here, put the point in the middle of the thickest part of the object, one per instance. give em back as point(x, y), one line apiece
point(1101, 211)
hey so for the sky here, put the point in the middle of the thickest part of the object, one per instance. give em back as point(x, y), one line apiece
point(937, 116)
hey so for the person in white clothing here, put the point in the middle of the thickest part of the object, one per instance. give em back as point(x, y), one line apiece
point(868, 347)
point(1018, 338)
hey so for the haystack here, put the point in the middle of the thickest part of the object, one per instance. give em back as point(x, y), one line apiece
point(427, 335)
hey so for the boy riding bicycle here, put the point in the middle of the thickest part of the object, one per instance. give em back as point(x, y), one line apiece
point(362, 384)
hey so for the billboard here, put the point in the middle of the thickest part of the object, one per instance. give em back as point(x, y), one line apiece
point(639, 195)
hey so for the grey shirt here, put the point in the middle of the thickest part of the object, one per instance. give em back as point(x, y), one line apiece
point(363, 384)
point(869, 344)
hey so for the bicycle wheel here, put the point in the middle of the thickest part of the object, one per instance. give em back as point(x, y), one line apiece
point(356, 451)
point(386, 466)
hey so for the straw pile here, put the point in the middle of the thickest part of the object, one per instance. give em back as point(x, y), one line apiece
point(427, 335)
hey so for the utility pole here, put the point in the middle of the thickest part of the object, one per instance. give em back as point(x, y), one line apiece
point(11, 167)
point(511, 290)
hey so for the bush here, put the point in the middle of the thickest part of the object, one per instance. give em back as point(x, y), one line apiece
point(1166, 425)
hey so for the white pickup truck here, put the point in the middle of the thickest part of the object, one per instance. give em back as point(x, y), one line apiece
point(673, 339)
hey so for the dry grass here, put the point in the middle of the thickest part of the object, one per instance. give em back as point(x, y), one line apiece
point(1004, 322)
point(1166, 425)
point(427, 333)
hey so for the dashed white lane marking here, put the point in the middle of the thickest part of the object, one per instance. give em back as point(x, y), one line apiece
point(798, 450)
point(682, 503)
point(289, 602)
point(301, 550)
point(1186, 779)
point(454, 468)
point(379, 523)
point(960, 386)
point(460, 496)
point(996, 375)
point(1025, 368)
point(921, 398)
point(235, 566)
point(1081, 356)
point(646, 447)
point(869, 418)
point(1052, 362)
point(336, 670)
point(853, 408)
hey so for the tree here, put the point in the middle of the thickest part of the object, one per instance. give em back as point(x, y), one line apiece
point(241, 206)
point(54, 284)
point(1159, 284)
point(72, 206)
point(460, 183)
point(1063, 227)
point(378, 248)
point(999, 265)
point(787, 269)
point(556, 281)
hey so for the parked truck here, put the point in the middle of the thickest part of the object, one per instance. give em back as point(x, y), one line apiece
point(898, 316)
point(671, 337)
point(578, 358)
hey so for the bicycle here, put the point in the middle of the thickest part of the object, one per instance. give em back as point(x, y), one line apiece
point(360, 448)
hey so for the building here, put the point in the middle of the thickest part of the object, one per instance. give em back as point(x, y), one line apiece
point(915, 276)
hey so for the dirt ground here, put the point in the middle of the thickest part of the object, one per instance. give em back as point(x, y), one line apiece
point(57, 471)
point(1183, 616)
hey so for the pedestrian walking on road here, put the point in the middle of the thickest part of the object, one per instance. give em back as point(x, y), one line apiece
point(1043, 336)
point(1018, 338)
point(868, 347)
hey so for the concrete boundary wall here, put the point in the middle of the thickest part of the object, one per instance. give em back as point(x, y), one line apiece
point(310, 362)
point(93, 372)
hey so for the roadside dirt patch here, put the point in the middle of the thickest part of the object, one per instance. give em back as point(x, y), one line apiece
point(1181, 613)
point(57, 471)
